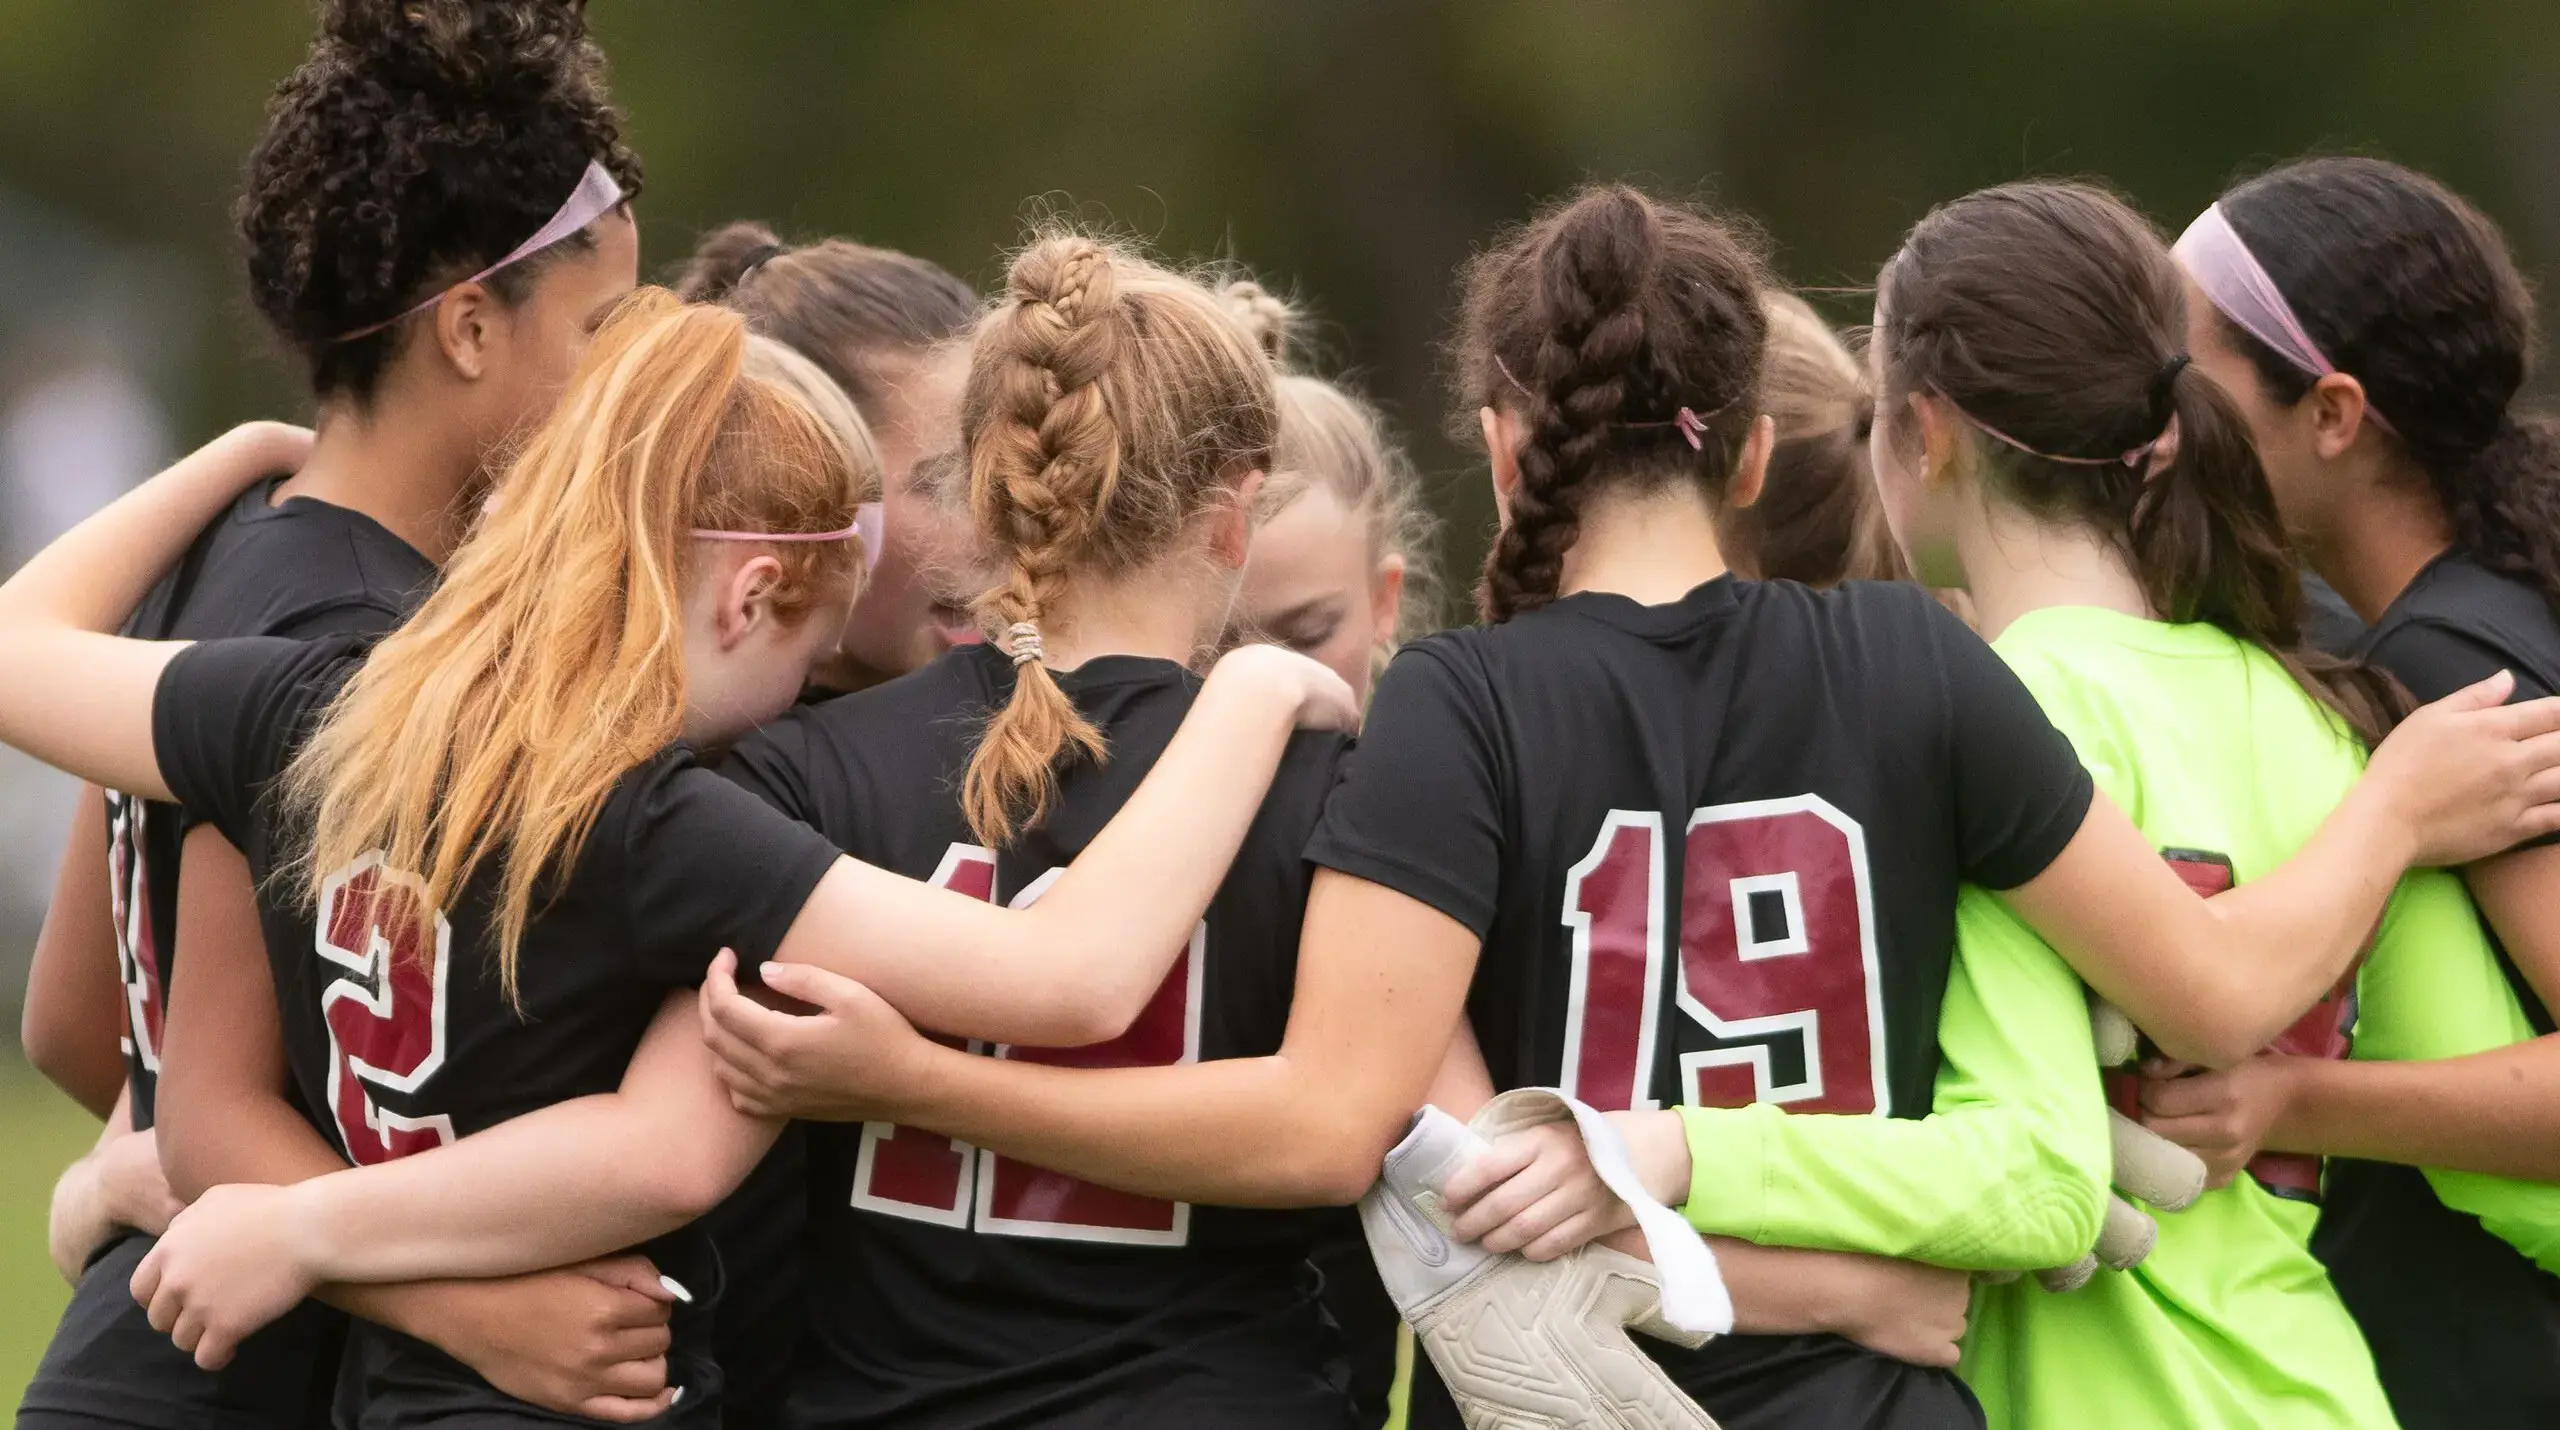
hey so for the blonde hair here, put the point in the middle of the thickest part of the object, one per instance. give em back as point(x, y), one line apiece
point(1817, 520)
point(1109, 401)
point(1329, 434)
point(551, 660)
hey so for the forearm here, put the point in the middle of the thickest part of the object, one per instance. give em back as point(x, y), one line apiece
point(1977, 1190)
point(1246, 1132)
point(75, 1000)
point(2285, 939)
point(572, 1181)
point(2496, 1112)
point(246, 1136)
point(78, 1220)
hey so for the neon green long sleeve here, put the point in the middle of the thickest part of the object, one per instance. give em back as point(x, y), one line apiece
point(2009, 1171)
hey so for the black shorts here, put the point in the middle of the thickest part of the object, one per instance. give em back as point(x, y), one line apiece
point(1358, 1302)
point(1779, 1383)
point(106, 1366)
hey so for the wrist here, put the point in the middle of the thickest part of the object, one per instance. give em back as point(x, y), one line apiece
point(1658, 1144)
point(2288, 1085)
point(319, 1250)
point(2387, 816)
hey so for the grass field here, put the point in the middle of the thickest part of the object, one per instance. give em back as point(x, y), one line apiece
point(40, 1131)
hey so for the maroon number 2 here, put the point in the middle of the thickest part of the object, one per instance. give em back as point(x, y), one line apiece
point(386, 1022)
point(1776, 968)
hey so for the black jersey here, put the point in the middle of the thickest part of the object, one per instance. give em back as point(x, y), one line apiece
point(2465, 1329)
point(949, 1286)
point(299, 568)
point(1713, 850)
point(292, 568)
point(397, 1033)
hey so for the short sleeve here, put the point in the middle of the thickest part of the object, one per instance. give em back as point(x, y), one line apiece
point(229, 714)
point(706, 866)
point(2021, 792)
point(2436, 660)
point(773, 765)
point(1418, 806)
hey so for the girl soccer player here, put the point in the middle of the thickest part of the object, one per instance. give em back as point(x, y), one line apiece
point(2047, 449)
point(2374, 331)
point(1342, 563)
point(1835, 764)
point(680, 458)
point(469, 181)
point(1816, 520)
point(1341, 570)
point(885, 326)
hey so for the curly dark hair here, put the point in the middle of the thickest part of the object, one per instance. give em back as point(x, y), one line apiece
point(2413, 291)
point(419, 141)
point(1596, 323)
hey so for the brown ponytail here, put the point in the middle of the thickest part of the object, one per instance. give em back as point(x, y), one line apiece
point(1596, 324)
point(1108, 402)
point(2053, 314)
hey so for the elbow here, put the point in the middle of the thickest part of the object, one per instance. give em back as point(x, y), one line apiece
point(190, 1173)
point(1338, 1160)
point(47, 1050)
point(687, 1190)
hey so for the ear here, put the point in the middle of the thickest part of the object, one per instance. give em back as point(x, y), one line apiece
point(1751, 474)
point(1502, 450)
point(1940, 437)
point(1231, 532)
point(744, 599)
point(467, 324)
point(1386, 598)
point(2339, 413)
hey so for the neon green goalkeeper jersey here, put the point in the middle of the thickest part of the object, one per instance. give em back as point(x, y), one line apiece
point(2210, 747)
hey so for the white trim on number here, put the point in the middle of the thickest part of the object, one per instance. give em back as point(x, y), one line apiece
point(374, 964)
point(1808, 1022)
point(956, 1215)
point(1196, 962)
point(1640, 1085)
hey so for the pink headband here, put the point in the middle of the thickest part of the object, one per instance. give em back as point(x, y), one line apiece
point(867, 524)
point(593, 198)
point(2230, 276)
point(2164, 446)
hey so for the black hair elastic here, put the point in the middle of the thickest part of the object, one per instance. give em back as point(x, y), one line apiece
point(758, 257)
point(2164, 382)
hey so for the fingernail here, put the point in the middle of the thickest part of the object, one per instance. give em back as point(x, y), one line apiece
point(676, 1289)
point(679, 1395)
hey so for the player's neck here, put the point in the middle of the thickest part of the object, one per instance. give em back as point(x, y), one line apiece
point(1155, 611)
point(2013, 565)
point(2380, 540)
point(1652, 548)
point(403, 468)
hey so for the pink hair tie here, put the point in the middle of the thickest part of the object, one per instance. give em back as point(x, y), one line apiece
point(2231, 278)
point(1691, 422)
point(595, 196)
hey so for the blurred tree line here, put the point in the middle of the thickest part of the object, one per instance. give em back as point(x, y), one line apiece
point(1350, 150)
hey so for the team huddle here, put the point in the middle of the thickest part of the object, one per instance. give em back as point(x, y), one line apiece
point(808, 848)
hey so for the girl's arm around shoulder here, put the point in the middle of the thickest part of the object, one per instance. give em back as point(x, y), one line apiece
point(1078, 964)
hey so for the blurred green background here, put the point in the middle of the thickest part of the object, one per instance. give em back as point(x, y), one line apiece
point(1350, 150)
